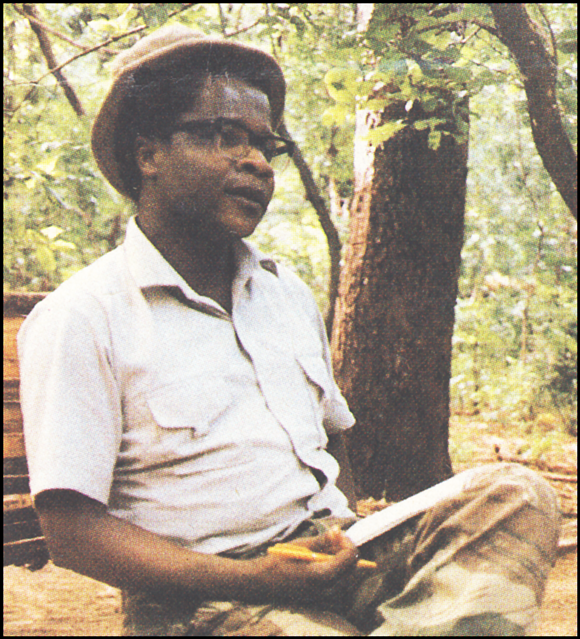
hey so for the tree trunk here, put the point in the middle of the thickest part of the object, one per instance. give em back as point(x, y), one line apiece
point(395, 313)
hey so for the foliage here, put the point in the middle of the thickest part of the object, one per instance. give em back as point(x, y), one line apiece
point(519, 268)
point(437, 63)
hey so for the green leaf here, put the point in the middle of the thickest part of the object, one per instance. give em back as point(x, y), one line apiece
point(336, 115)
point(393, 66)
point(101, 25)
point(342, 84)
point(384, 132)
point(460, 138)
point(35, 237)
point(421, 125)
point(45, 258)
point(51, 232)
point(61, 245)
point(427, 21)
point(155, 14)
point(434, 140)
point(376, 104)
point(430, 104)
point(458, 74)
point(48, 165)
point(389, 32)
point(473, 10)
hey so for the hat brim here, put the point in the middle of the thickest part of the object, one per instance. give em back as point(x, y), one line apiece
point(259, 67)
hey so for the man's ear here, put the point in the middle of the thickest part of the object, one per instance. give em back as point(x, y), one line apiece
point(146, 156)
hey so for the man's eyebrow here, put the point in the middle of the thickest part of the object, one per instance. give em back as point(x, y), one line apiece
point(266, 133)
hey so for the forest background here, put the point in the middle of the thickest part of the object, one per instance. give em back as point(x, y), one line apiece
point(514, 341)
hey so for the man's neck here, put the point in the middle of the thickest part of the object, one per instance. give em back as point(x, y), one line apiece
point(205, 263)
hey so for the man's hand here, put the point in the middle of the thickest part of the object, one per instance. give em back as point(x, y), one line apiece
point(83, 537)
point(290, 580)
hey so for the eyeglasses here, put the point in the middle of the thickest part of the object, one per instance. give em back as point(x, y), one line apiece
point(236, 141)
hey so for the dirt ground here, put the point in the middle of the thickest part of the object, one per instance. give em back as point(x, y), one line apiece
point(54, 602)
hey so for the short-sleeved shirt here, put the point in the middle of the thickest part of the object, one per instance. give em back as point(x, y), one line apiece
point(205, 427)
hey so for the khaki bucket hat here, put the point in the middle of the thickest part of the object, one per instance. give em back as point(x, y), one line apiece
point(173, 47)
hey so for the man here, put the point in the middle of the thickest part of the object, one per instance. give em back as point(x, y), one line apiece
point(180, 410)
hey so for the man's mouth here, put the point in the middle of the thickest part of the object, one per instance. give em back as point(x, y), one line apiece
point(251, 195)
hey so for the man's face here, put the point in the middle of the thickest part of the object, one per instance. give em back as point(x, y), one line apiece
point(198, 186)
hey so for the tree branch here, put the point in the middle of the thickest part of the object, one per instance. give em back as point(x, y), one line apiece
point(334, 245)
point(58, 34)
point(112, 39)
point(92, 49)
point(243, 29)
point(222, 18)
point(46, 48)
point(523, 39)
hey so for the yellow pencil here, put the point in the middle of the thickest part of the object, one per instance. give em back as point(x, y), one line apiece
point(300, 552)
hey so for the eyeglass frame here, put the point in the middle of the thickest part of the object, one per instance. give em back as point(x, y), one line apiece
point(217, 123)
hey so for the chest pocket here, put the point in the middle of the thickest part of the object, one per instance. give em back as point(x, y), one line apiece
point(194, 405)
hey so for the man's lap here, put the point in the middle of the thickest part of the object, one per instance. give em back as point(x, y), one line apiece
point(475, 564)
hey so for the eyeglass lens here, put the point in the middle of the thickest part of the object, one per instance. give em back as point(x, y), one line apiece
point(237, 142)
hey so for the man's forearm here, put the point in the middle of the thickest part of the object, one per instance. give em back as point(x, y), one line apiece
point(116, 552)
point(83, 537)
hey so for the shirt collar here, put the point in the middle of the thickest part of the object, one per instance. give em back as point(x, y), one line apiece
point(150, 269)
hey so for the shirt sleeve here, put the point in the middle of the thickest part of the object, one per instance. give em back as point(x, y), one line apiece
point(337, 415)
point(70, 401)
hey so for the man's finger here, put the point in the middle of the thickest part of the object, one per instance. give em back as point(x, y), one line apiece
point(340, 563)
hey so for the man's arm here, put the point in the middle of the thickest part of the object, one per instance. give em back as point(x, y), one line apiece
point(337, 448)
point(83, 537)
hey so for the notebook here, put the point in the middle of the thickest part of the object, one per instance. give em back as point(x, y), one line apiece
point(379, 522)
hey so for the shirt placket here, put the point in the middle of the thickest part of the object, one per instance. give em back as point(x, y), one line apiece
point(263, 323)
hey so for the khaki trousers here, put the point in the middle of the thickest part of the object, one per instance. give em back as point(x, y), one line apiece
point(474, 565)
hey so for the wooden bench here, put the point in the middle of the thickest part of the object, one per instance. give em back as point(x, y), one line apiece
point(23, 543)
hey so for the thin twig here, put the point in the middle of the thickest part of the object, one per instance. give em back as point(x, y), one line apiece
point(58, 34)
point(473, 33)
point(222, 19)
point(98, 46)
point(112, 39)
point(243, 29)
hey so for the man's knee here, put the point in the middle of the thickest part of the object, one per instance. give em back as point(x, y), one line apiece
point(534, 488)
point(534, 501)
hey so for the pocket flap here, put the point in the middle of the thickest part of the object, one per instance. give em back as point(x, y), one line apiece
point(316, 371)
point(192, 404)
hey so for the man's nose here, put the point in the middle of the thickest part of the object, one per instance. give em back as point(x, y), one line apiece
point(256, 164)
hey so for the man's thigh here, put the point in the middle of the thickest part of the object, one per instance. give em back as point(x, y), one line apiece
point(218, 619)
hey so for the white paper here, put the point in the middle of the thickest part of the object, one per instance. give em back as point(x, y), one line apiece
point(378, 523)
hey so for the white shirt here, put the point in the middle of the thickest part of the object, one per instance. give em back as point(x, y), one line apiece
point(189, 422)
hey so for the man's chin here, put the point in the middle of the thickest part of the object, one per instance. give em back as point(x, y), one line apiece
point(216, 227)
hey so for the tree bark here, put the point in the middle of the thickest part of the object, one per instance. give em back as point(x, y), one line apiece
point(539, 71)
point(46, 48)
point(395, 312)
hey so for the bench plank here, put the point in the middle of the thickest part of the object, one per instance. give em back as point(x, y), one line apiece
point(15, 484)
point(32, 553)
point(13, 445)
point(23, 540)
point(21, 531)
